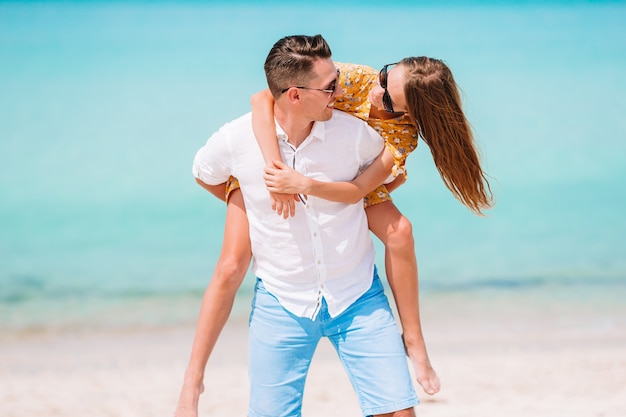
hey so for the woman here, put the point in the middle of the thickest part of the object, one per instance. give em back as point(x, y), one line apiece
point(415, 98)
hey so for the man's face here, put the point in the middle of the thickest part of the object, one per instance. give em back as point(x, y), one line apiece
point(318, 105)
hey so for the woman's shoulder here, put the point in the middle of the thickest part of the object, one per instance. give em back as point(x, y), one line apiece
point(351, 69)
point(356, 81)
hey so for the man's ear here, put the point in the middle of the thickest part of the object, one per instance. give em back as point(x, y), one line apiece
point(293, 95)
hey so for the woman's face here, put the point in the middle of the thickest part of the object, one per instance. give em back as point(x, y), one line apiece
point(395, 88)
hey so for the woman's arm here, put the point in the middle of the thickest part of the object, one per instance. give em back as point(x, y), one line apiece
point(279, 178)
point(263, 125)
point(264, 129)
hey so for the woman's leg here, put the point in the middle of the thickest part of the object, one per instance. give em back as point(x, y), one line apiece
point(396, 233)
point(217, 303)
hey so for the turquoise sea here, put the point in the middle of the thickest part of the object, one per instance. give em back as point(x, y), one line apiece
point(103, 105)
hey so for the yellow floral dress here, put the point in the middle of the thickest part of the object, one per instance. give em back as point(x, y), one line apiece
point(400, 134)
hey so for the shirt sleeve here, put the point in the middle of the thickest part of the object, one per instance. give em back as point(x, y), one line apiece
point(212, 163)
point(371, 145)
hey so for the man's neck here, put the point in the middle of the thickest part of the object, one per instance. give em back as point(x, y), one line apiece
point(297, 130)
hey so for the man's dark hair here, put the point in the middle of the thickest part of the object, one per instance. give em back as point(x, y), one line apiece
point(290, 61)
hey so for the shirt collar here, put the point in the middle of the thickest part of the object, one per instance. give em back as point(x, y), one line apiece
point(280, 132)
point(318, 131)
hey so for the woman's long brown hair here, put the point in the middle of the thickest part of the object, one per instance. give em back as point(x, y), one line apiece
point(434, 105)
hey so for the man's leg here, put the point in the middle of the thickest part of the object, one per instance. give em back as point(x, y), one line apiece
point(370, 346)
point(408, 412)
point(281, 346)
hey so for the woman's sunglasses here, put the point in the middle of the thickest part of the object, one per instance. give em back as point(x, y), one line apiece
point(382, 80)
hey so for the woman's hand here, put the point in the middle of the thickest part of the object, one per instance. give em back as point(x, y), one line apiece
point(284, 184)
point(283, 204)
point(280, 178)
point(397, 182)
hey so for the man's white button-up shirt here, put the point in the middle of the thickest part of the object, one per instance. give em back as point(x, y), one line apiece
point(325, 250)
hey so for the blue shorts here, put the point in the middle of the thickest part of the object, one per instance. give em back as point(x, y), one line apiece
point(367, 340)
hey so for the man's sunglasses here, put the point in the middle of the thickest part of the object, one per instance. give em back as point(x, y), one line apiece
point(330, 91)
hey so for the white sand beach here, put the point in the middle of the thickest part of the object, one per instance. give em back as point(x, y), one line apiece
point(494, 359)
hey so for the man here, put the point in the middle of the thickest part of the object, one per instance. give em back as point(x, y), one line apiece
point(316, 273)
